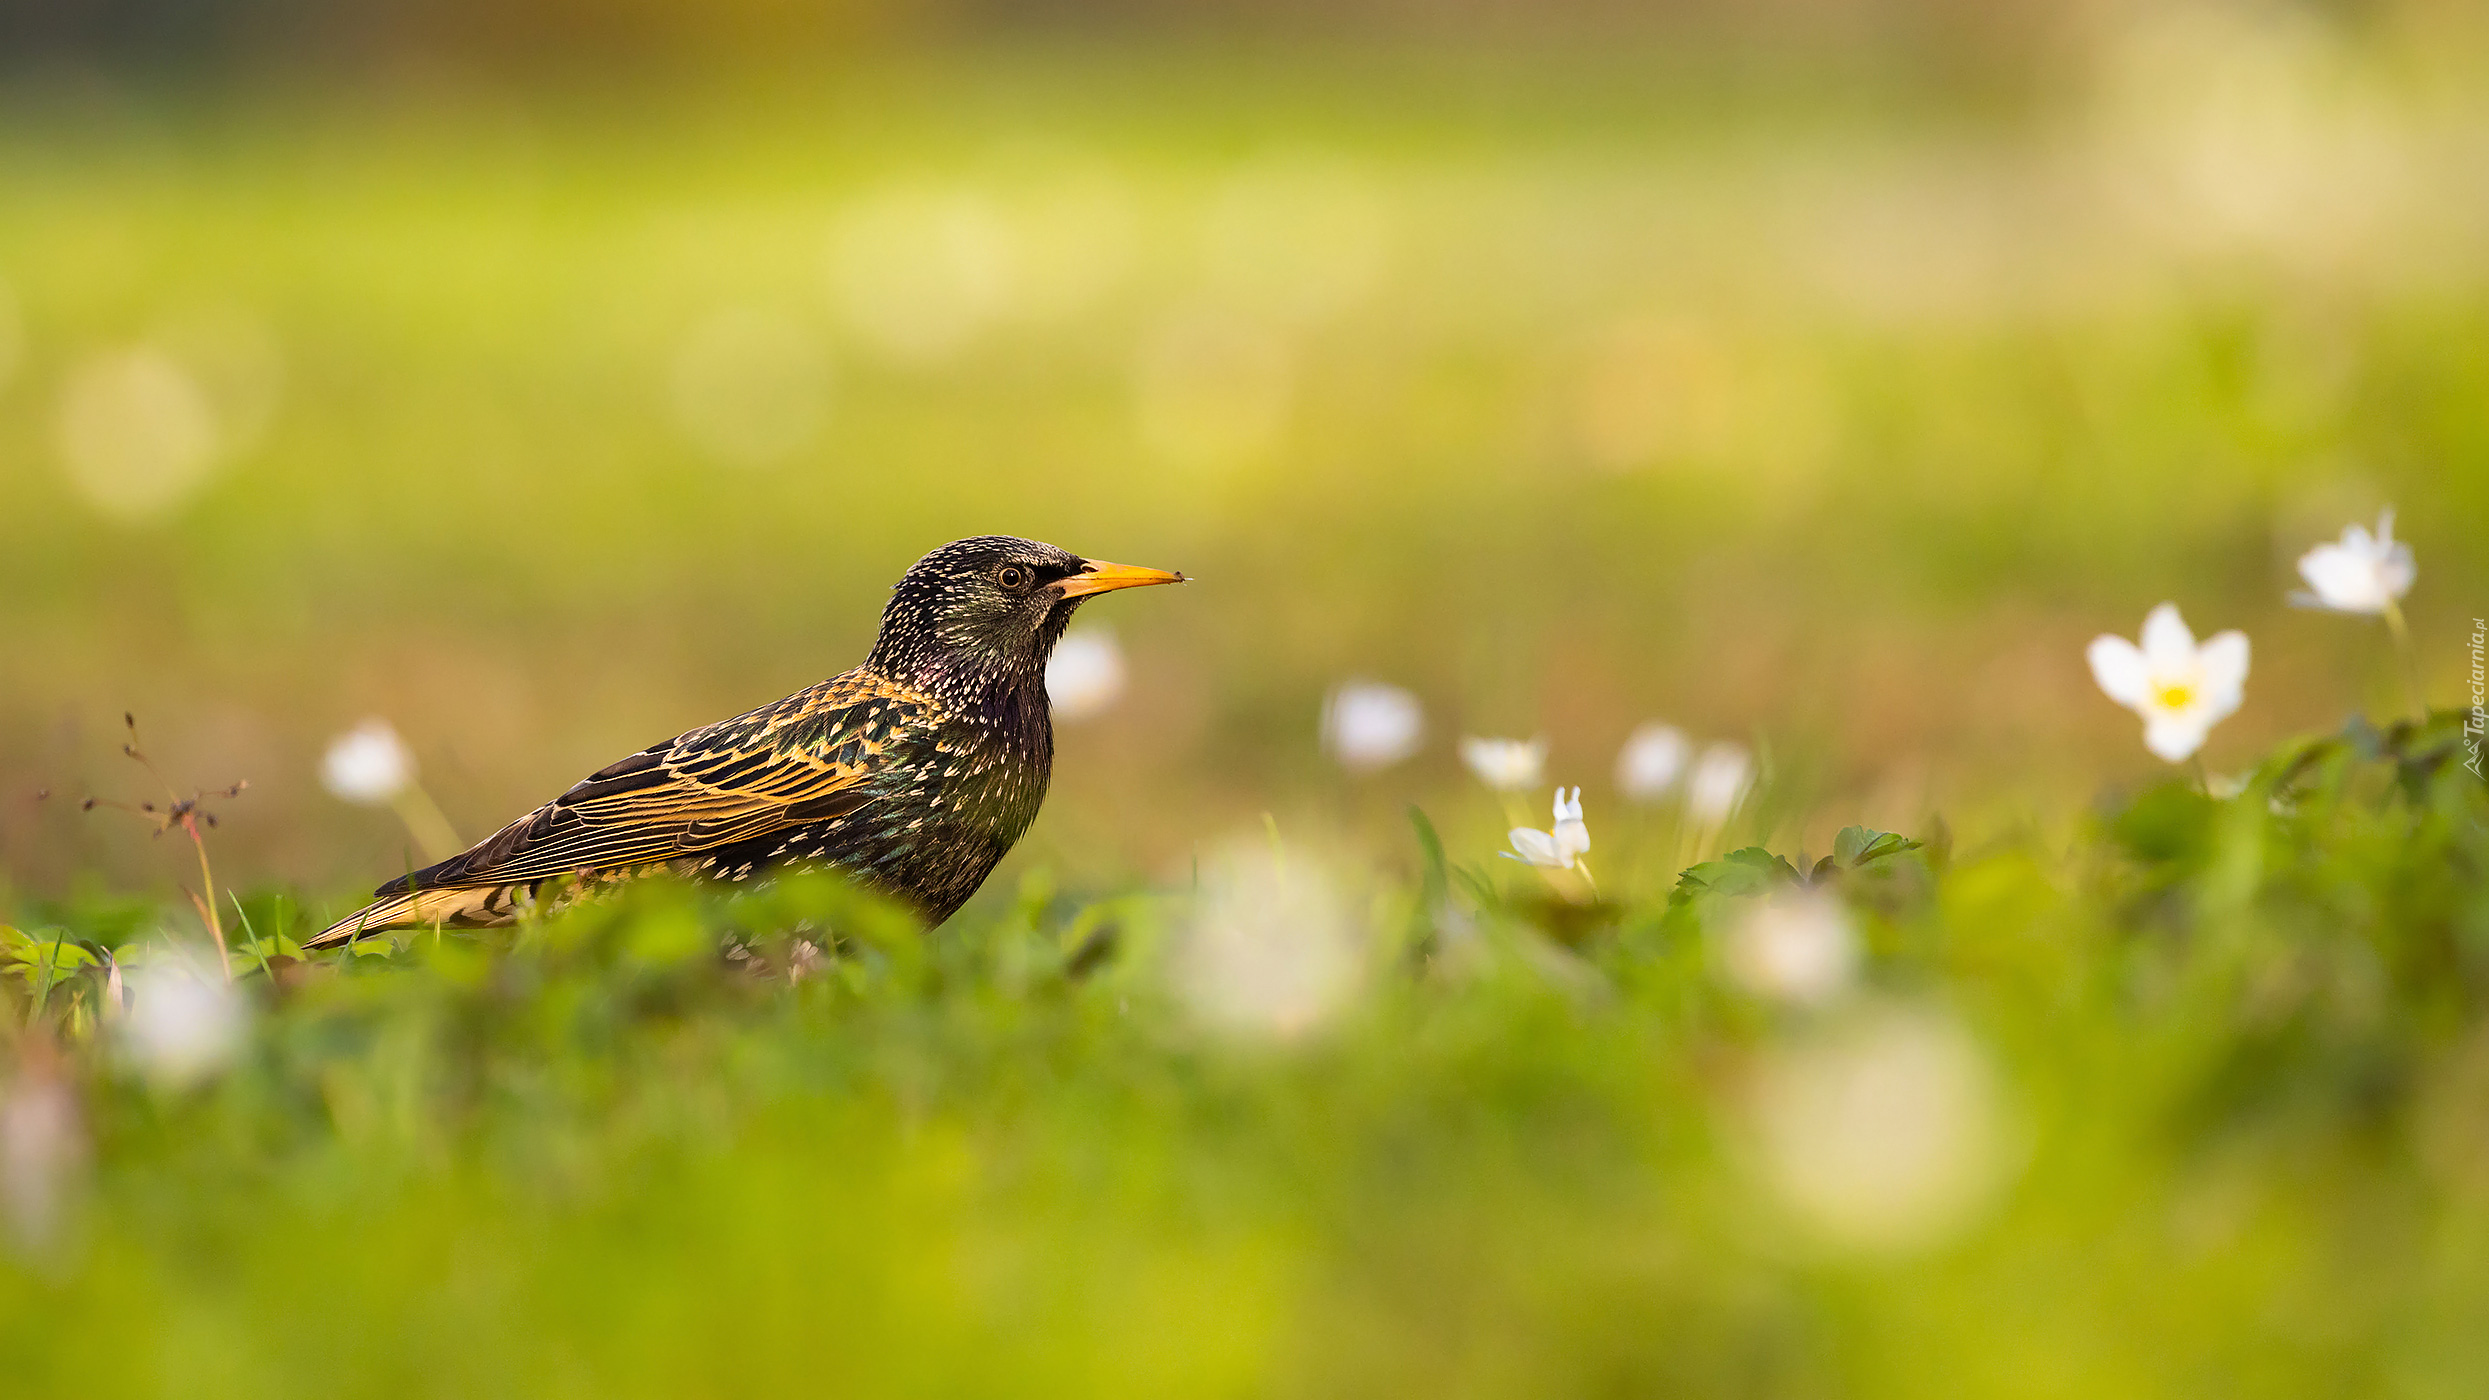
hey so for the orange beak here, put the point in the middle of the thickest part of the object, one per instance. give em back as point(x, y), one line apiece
point(1102, 577)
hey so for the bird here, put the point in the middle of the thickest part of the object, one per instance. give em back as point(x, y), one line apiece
point(914, 773)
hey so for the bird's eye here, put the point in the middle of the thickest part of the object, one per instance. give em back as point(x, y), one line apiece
point(1011, 576)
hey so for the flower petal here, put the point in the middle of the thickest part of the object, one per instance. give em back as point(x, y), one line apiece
point(1539, 848)
point(2397, 571)
point(2224, 660)
point(2118, 665)
point(2168, 647)
point(2175, 737)
point(1568, 809)
point(1573, 838)
point(2342, 579)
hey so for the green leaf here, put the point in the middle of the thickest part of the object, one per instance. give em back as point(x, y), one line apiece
point(1430, 846)
point(1857, 845)
point(1746, 871)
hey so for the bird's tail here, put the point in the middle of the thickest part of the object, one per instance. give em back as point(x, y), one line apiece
point(459, 906)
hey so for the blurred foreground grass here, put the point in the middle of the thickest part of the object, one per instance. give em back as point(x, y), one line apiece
point(2195, 1104)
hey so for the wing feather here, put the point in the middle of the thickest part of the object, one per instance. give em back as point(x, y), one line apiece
point(802, 760)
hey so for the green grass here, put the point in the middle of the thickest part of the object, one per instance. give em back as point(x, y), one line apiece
point(2212, 1073)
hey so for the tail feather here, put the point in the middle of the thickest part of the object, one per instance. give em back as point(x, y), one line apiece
point(470, 906)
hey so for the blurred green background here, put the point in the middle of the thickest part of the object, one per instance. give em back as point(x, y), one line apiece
point(551, 378)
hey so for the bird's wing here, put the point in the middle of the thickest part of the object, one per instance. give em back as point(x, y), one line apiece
point(801, 760)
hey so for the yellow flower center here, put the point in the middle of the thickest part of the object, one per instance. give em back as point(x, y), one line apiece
point(2175, 696)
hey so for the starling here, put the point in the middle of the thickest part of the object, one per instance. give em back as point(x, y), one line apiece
point(915, 772)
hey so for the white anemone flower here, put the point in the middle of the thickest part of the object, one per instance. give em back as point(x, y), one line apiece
point(1272, 950)
point(1560, 849)
point(1797, 946)
point(1506, 765)
point(184, 1022)
point(43, 1147)
point(1085, 676)
point(369, 765)
point(2359, 573)
point(2181, 689)
point(1653, 759)
point(1719, 782)
point(1368, 725)
point(1883, 1135)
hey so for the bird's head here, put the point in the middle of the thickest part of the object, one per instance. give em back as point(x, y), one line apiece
point(990, 608)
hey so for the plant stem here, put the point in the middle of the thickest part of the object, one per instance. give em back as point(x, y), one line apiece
point(2411, 663)
point(51, 965)
point(215, 925)
point(425, 822)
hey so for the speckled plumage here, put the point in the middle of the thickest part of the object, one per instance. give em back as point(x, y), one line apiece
point(916, 771)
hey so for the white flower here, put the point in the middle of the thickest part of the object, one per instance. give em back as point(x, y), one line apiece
point(1796, 946)
point(1719, 782)
point(1506, 765)
point(2181, 690)
point(1271, 951)
point(2358, 573)
point(1884, 1135)
point(183, 1023)
point(1085, 676)
point(1558, 849)
point(42, 1147)
point(370, 765)
point(1368, 725)
point(1652, 761)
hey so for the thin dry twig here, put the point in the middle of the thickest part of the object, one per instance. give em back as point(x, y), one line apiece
point(185, 813)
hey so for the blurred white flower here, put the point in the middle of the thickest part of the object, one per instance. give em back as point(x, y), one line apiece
point(138, 433)
point(1270, 951)
point(1561, 848)
point(1719, 782)
point(1884, 1135)
point(1506, 765)
point(2359, 573)
point(184, 1023)
point(1085, 676)
point(1652, 760)
point(1368, 725)
point(1796, 946)
point(369, 764)
point(2181, 690)
point(42, 1146)
point(750, 386)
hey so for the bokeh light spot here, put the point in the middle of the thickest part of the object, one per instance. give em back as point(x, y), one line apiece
point(138, 435)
